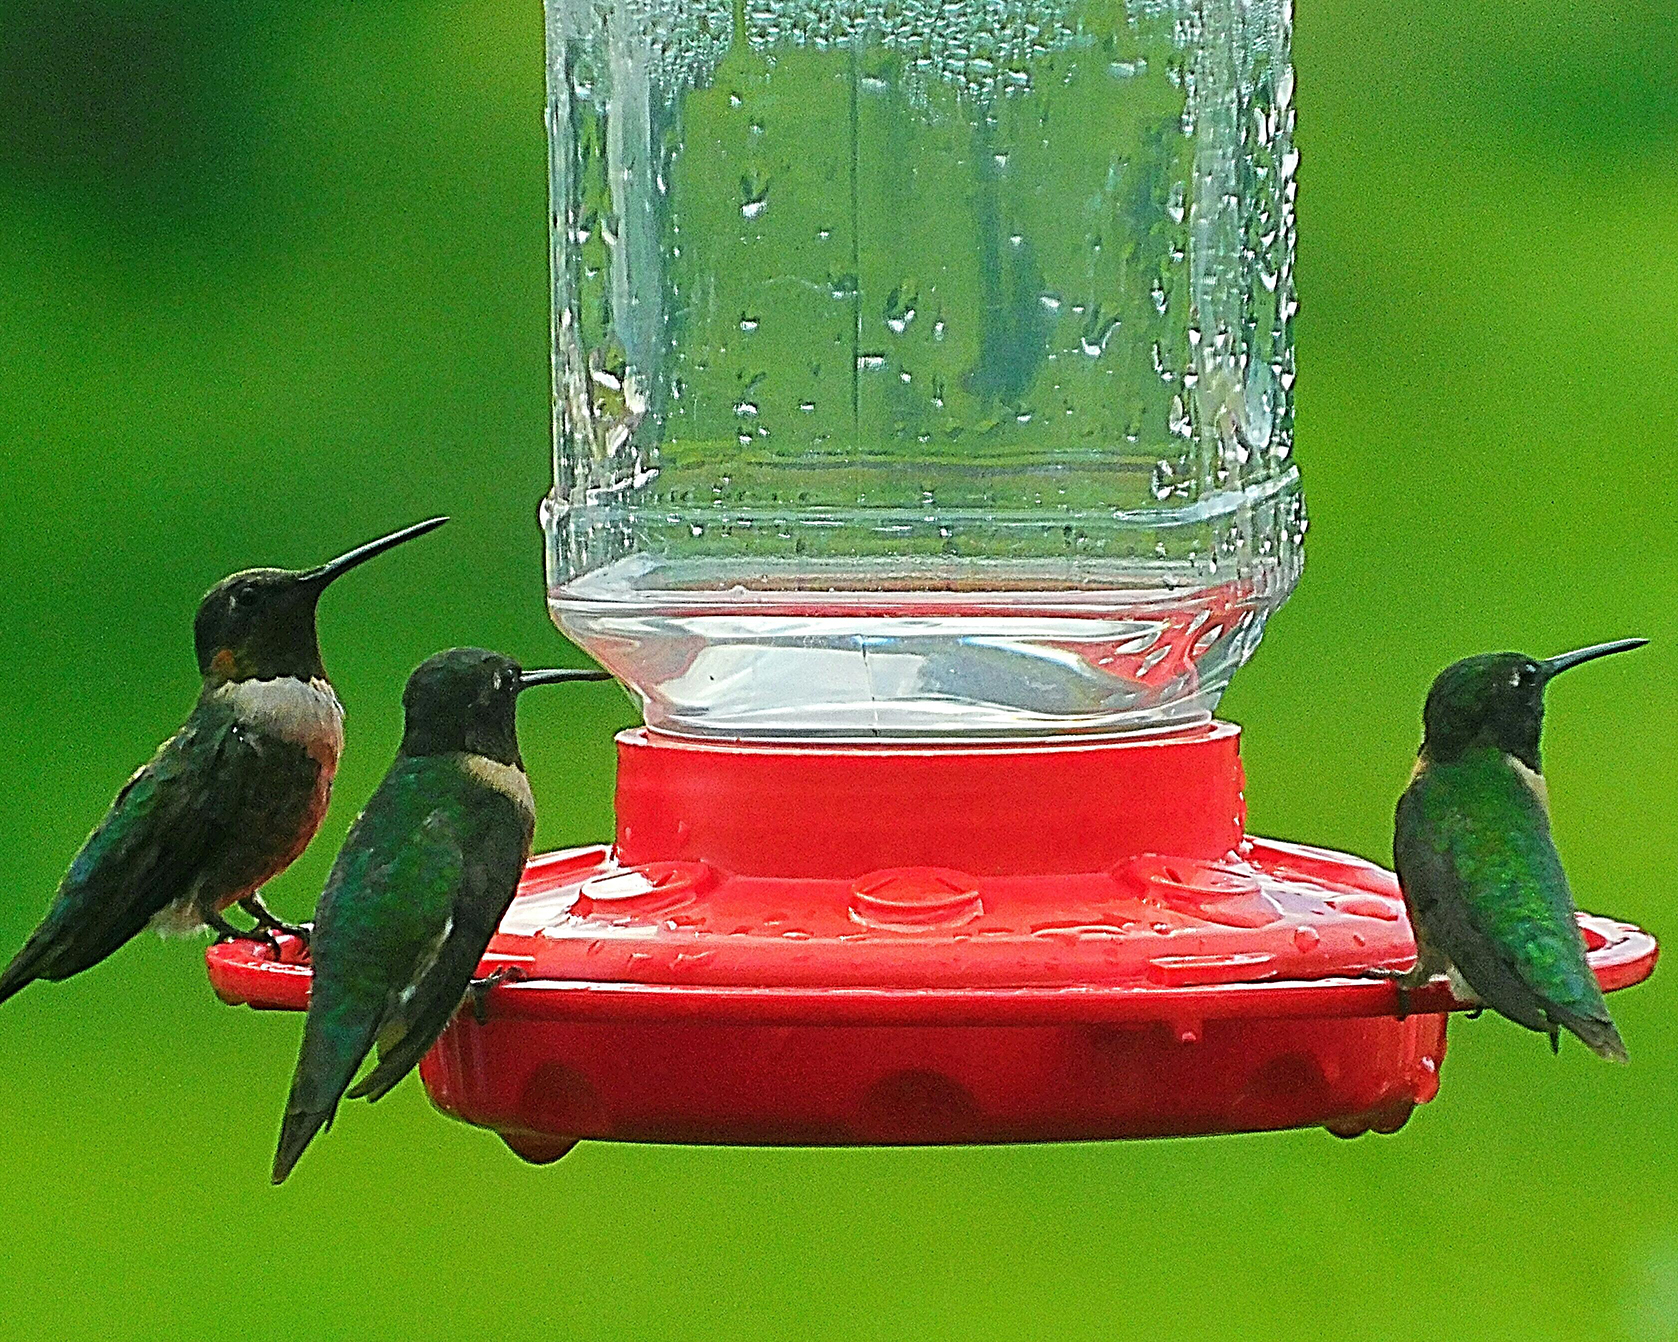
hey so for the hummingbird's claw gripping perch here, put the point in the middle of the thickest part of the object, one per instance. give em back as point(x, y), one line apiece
point(1406, 981)
point(266, 921)
point(478, 990)
point(225, 931)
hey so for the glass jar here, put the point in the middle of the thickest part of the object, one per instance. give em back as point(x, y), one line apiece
point(922, 369)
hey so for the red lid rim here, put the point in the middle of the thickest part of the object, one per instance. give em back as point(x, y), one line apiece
point(245, 973)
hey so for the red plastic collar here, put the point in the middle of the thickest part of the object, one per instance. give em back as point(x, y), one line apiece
point(824, 811)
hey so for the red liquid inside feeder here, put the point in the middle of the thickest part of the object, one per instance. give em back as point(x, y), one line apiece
point(897, 944)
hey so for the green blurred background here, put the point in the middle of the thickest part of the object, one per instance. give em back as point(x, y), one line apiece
point(273, 278)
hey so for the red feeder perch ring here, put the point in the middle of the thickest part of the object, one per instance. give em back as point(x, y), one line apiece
point(907, 944)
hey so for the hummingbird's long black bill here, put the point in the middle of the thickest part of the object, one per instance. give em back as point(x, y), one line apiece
point(1568, 660)
point(558, 676)
point(337, 568)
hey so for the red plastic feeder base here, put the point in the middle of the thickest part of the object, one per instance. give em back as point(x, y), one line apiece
point(888, 944)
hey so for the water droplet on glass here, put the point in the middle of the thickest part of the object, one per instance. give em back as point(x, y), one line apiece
point(754, 193)
point(1178, 422)
point(1098, 328)
point(1145, 225)
point(900, 308)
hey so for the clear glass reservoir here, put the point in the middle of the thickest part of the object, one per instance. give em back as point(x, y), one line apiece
point(922, 369)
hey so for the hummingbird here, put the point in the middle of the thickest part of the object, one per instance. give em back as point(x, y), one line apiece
point(1489, 902)
point(228, 801)
point(419, 888)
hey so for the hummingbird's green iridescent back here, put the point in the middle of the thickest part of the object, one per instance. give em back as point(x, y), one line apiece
point(413, 900)
point(1487, 889)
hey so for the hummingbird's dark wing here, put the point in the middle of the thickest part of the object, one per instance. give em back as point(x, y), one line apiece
point(1486, 886)
point(384, 916)
point(151, 849)
point(500, 846)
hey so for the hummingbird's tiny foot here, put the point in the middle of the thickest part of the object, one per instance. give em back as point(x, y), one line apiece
point(267, 923)
point(224, 930)
point(478, 990)
point(266, 936)
point(302, 931)
point(1477, 1013)
point(1405, 981)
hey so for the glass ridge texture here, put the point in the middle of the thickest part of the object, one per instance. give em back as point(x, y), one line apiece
point(922, 369)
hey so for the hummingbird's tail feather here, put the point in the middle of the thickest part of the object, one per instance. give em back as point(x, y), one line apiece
point(401, 1057)
point(1599, 1035)
point(297, 1130)
point(382, 1079)
point(430, 1008)
point(325, 1067)
point(53, 951)
point(24, 969)
point(82, 927)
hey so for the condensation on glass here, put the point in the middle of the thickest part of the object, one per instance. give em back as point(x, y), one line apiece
point(922, 369)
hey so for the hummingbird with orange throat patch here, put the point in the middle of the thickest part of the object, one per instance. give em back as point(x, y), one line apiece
point(227, 802)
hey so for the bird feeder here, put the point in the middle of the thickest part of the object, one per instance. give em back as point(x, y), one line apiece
point(924, 428)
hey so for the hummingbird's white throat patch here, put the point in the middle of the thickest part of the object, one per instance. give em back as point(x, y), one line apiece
point(304, 712)
point(1534, 780)
point(507, 779)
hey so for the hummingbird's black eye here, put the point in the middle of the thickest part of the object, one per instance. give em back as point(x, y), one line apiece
point(505, 680)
